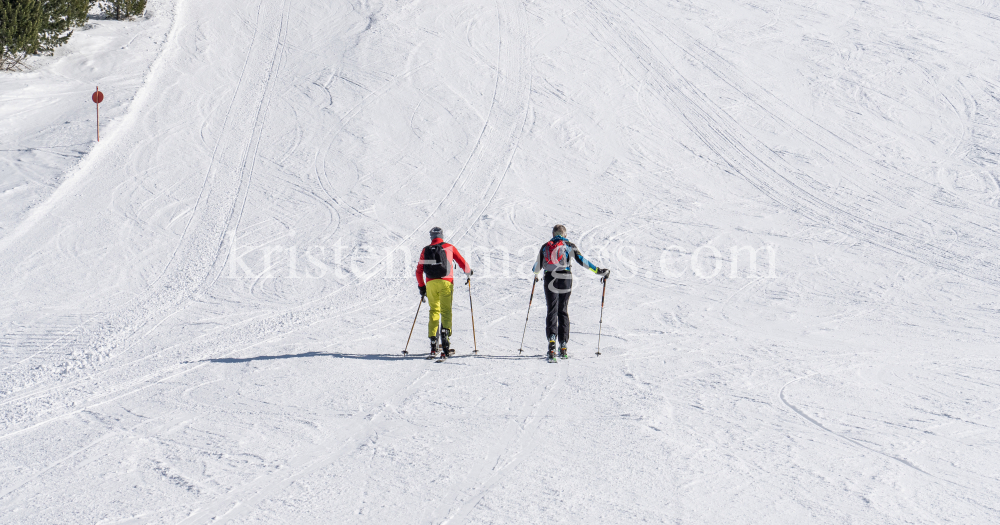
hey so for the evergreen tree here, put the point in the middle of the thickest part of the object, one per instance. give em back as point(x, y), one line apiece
point(123, 9)
point(20, 25)
point(59, 19)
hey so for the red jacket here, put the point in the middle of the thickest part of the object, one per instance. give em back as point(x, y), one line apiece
point(453, 256)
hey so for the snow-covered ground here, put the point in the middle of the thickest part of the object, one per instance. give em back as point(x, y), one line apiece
point(203, 315)
point(48, 119)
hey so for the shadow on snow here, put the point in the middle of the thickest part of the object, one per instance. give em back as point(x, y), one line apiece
point(377, 357)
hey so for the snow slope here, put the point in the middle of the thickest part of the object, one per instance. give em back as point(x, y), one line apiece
point(48, 121)
point(203, 322)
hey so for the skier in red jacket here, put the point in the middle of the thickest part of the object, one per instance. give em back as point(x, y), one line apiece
point(436, 261)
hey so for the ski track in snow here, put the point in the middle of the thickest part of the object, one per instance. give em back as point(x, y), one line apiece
point(749, 158)
point(145, 378)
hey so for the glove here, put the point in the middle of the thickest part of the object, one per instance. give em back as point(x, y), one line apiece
point(471, 271)
point(604, 273)
point(423, 291)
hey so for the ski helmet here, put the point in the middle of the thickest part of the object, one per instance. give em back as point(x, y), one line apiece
point(437, 233)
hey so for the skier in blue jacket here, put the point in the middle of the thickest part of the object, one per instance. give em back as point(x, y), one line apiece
point(554, 258)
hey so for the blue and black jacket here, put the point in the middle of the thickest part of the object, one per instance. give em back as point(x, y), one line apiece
point(557, 254)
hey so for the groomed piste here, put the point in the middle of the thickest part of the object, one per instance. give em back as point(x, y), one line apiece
point(202, 316)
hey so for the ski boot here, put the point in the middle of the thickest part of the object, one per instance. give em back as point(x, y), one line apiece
point(563, 353)
point(551, 355)
point(446, 342)
point(434, 348)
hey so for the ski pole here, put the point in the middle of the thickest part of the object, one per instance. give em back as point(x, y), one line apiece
point(475, 347)
point(532, 298)
point(600, 325)
point(413, 325)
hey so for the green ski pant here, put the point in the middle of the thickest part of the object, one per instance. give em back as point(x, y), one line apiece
point(439, 295)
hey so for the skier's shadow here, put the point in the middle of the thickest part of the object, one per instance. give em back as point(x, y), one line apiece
point(376, 357)
point(234, 360)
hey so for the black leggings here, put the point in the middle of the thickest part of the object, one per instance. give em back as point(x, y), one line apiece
point(558, 286)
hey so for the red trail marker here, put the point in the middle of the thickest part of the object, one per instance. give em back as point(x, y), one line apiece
point(98, 97)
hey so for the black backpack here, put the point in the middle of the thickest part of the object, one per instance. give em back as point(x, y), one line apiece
point(435, 261)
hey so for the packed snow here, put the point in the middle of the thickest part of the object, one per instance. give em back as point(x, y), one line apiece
point(202, 316)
